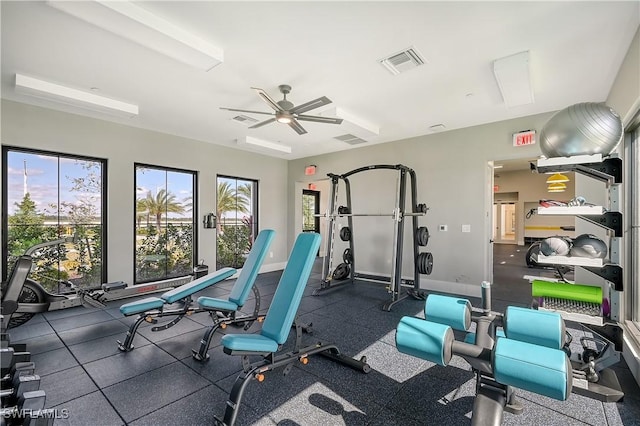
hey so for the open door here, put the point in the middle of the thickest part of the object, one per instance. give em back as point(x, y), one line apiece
point(488, 223)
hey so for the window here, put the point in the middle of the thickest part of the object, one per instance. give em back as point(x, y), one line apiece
point(47, 196)
point(237, 212)
point(310, 208)
point(165, 239)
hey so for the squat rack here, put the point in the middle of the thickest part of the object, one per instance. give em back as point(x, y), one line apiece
point(395, 281)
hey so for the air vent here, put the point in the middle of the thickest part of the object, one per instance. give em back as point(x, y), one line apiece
point(350, 139)
point(247, 121)
point(402, 61)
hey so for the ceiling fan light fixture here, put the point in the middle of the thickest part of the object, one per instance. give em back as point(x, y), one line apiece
point(283, 118)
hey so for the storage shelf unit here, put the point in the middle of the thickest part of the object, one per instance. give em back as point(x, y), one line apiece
point(608, 170)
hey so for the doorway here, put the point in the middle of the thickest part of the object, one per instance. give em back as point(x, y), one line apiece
point(310, 211)
point(504, 222)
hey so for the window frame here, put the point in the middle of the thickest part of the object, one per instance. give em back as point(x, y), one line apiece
point(194, 210)
point(6, 149)
point(255, 206)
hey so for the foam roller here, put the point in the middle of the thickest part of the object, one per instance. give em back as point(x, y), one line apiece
point(537, 369)
point(425, 339)
point(577, 292)
point(537, 327)
point(448, 311)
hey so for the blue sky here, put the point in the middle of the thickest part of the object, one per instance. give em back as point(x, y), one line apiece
point(49, 181)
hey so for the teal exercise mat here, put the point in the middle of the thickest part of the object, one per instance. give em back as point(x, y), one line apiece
point(577, 292)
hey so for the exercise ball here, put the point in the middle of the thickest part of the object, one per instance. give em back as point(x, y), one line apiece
point(581, 129)
point(587, 245)
point(555, 246)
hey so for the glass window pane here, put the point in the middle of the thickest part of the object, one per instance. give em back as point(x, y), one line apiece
point(165, 218)
point(237, 207)
point(50, 196)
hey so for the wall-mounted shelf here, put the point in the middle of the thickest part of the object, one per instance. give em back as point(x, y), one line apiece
point(574, 316)
point(607, 170)
point(569, 260)
point(598, 215)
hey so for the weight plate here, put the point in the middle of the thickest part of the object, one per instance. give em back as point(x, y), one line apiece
point(341, 272)
point(425, 263)
point(422, 236)
point(345, 234)
point(422, 208)
point(347, 256)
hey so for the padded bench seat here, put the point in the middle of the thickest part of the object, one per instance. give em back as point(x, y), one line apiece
point(177, 293)
point(141, 305)
point(211, 303)
point(249, 343)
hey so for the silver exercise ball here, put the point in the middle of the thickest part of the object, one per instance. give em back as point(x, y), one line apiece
point(581, 129)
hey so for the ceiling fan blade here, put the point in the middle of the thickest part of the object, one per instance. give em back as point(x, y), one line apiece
point(246, 110)
point(255, 126)
point(318, 119)
point(273, 104)
point(308, 106)
point(297, 127)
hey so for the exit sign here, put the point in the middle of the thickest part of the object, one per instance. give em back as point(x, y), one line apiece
point(528, 137)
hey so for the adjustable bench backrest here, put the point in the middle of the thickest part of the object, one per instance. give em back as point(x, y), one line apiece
point(251, 267)
point(286, 300)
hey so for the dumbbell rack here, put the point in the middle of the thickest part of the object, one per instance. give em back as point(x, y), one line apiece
point(608, 170)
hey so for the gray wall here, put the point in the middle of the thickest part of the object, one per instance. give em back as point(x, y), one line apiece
point(453, 178)
point(40, 128)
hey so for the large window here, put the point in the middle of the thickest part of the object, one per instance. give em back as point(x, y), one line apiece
point(237, 212)
point(47, 196)
point(165, 223)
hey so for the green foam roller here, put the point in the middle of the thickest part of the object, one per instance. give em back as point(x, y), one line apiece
point(577, 292)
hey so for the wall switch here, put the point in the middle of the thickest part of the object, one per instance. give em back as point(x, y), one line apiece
point(271, 254)
point(466, 228)
point(442, 228)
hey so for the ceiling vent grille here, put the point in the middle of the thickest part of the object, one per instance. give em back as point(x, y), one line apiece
point(247, 121)
point(350, 139)
point(402, 61)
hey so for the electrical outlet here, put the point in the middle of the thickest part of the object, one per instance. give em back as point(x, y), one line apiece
point(442, 228)
point(466, 228)
point(271, 254)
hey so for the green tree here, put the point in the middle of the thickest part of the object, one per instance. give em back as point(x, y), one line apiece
point(163, 202)
point(229, 200)
point(26, 227)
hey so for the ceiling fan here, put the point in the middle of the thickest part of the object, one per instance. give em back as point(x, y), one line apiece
point(287, 113)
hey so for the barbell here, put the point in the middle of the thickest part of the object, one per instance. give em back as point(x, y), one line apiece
point(344, 211)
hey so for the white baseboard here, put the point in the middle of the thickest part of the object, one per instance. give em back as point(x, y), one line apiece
point(460, 289)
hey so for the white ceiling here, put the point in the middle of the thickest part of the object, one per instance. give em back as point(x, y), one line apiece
point(327, 48)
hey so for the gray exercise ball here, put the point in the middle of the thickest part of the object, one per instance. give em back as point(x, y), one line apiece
point(581, 129)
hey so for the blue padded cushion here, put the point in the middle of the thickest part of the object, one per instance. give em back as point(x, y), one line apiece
point(251, 267)
point(141, 305)
point(533, 368)
point(249, 342)
point(471, 337)
point(286, 300)
point(537, 327)
point(195, 286)
point(448, 310)
point(214, 304)
point(425, 339)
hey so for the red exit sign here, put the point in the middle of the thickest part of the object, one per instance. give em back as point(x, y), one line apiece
point(528, 137)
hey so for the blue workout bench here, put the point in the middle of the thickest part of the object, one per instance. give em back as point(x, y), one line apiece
point(223, 312)
point(527, 353)
point(275, 330)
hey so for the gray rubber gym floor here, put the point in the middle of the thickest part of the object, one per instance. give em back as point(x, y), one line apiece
point(158, 383)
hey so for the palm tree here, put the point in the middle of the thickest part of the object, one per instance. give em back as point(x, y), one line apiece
point(228, 201)
point(163, 202)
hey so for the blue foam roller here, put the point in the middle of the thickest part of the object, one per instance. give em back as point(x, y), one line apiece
point(449, 311)
point(425, 339)
point(537, 369)
point(537, 327)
